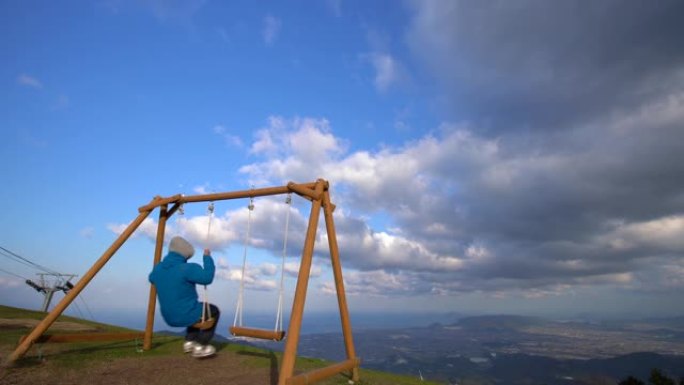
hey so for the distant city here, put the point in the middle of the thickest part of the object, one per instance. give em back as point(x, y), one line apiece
point(513, 349)
point(452, 348)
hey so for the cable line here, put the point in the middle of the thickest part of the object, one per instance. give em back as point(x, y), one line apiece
point(78, 309)
point(15, 255)
point(92, 318)
point(59, 284)
point(10, 273)
point(13, 259)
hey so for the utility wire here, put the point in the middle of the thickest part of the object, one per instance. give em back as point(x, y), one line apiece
point(10, 273)
point(79, 310)
point(13, 259)
point(15, 255)
point(25, 261)
point(85, 304)
point(87, 308)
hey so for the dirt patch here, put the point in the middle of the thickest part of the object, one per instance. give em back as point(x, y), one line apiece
point(224, 368)
point(27, 323)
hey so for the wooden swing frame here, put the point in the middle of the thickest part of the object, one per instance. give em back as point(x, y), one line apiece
point(318, 193)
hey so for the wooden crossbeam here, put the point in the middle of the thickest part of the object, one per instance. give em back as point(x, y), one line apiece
point(323, 373)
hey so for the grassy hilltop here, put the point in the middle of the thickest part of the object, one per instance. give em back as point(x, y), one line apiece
point(124, 362)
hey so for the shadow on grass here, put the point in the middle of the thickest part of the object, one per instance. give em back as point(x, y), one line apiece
point(269, 355)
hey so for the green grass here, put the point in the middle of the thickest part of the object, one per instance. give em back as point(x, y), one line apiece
point(12, 335)
point(81, 354)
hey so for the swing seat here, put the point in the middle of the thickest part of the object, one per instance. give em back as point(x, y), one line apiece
point(204, 325)
point(263, 334)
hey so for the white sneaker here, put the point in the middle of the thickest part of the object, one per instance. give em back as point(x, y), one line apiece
point(189, 346)
point(203, 351)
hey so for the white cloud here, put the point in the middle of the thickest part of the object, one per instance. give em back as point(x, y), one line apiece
point(171, 10)
point(10, 282)
point(62, 102)
point(222, 263)
point(463, 212)
point(229, 228)
point(87, 232)
point(147, 228)
point(222, 233)
point(271, 29)
point(29, 81)
point(295, 149)
point(371, 249)
point(292, 270)
point(452, 198)
point(230, 139)
point(673, 275)
point(335, 6)
point(387, 70)
point(665, 233)
point(372, 283)
point(305, 138)
point(268, 269)
point(253, 278)
point(201, 190)
point(32, 139)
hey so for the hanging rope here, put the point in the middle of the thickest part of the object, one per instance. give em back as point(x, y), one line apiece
point(181, 213)
point(279, 312)
point(205, 306)
point(238, 310)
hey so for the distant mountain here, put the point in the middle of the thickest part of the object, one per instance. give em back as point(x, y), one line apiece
point(499, 322)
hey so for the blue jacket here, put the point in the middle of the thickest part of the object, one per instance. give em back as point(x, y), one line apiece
point(175, 280)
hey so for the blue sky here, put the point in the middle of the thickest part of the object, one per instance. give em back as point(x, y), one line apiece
point(485, 158)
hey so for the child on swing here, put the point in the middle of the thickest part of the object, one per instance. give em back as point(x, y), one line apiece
point(175, 279)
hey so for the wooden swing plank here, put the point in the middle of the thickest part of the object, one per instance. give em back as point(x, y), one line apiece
point(323, 373)
point(85, 337)
point(204, 325)
point(263, 334)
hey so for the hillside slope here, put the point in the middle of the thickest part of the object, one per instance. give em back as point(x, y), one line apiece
point(124, 362)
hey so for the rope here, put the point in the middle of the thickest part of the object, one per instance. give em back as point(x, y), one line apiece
point(279, 312)
point(238, 310)
point(205, 306)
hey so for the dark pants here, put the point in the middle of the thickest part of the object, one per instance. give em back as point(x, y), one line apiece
point(204, 336)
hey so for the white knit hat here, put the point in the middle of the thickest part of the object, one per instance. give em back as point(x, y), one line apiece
point(181, 246)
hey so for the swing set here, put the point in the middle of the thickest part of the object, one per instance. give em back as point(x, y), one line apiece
point(318, 194)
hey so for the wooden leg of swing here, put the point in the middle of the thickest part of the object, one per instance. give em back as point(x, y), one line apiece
point(290, 352)
point(339, 283)
point(152, 302)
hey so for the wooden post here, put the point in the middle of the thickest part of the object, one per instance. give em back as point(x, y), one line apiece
point(152, 302)
point(76, 290)
point(339, 283)
point(290, 352)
